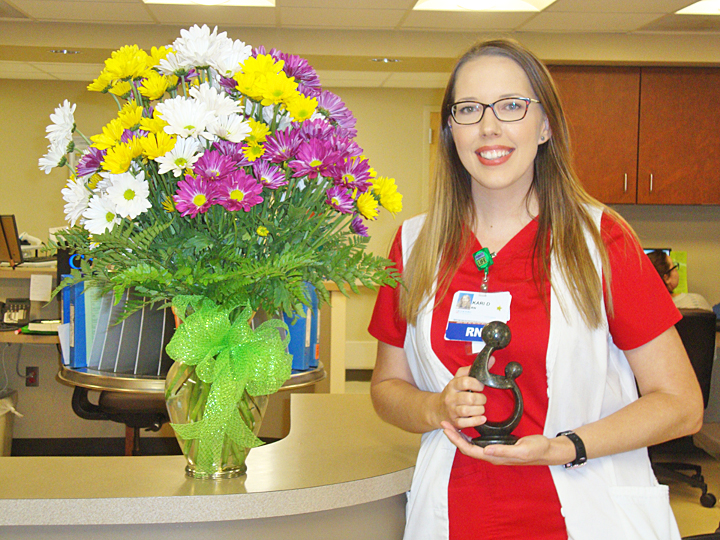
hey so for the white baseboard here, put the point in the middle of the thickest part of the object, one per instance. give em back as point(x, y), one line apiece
point(360, 354)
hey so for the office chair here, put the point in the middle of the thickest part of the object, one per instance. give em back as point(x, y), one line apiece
point(697, 332)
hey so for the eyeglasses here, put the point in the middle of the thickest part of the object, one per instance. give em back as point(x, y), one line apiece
point(674, 267)
point(506, 110)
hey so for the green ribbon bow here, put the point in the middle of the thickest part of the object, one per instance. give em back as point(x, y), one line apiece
point(232, 358)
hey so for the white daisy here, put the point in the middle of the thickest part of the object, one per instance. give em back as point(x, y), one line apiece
point(197, 46)
point(100, 215)
point(186, 117)
point(183, 156)
point(218, 102)
point(129, 194)
point(77, 195)
point(170, 65)
point(232, 128)
point(63, 123)
point(55, 157)
point(230, 57)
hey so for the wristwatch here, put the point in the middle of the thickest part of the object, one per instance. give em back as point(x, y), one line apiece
point(580, 454)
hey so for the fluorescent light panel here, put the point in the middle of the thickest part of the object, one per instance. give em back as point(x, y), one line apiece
point(236, 3)
point(704, 7)
point(482, 5)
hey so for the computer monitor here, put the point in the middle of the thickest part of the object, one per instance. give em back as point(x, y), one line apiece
point(10, 250)
point(650, 250)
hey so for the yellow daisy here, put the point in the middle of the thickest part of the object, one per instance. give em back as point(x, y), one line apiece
point(301, 108)
point(168, 204)
point(121, 88)
point(367, 206)
point(249, 84)
point(253, 151)
point(130, 115)
point(157, 144)
point(128, 62)
point(157, 54)
point(263, 64)
point(259, 132)
point(102, 84)
point(387, 192)
point(278, 88)
point(155, 85)
point(110, 135)
point(118, 159)
point(153, 125)
point(262, 231)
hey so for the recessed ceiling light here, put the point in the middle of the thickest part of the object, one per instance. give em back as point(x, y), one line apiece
point(385, 60)
point(235, 3)
point(64, 51)
point(704, 7)
point(482, 5)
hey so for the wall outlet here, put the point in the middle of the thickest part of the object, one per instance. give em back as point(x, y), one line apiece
point(32, 376)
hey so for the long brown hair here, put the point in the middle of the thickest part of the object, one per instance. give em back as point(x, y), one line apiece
point(563, 205)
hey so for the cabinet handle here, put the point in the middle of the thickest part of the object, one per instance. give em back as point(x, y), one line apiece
point(651, 182)
point(625, 188)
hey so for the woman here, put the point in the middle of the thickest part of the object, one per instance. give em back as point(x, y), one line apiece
point(509, 220)
point(668, 270)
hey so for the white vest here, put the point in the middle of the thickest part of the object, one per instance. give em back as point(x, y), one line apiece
point(614, 497)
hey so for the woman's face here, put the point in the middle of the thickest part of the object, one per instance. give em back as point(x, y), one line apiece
point(672, 278)
point(498, 155)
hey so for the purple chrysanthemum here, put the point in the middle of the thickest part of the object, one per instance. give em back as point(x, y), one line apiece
point(353, 174)
point(90, 162)
point(128, 135)
point(339, 198)
point(346, 148)
point(332, 107)
point(305, 75)
point(268, 175)
point(239, 191)
point(213, 165)
point(228, 84)
point(313, 157)
point(358, 227)
point(315, 129)
point(194, 196)
point(233, 151)
point(281, 146)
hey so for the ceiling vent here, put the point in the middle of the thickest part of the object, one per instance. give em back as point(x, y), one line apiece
point(9, 12)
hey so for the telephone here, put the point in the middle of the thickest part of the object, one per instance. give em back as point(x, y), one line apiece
point(15, 311)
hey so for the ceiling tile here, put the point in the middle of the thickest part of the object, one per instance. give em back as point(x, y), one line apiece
point(344, 4)
point(352, 78)
point(684, 23)
point(619, 6)
point(598, 22)
point(79, 10)
point(20, 70)
point(416, 80)
point(213, 15)
point(379, 19)
point(464, 22)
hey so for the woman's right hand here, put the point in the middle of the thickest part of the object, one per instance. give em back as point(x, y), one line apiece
point(462, 402)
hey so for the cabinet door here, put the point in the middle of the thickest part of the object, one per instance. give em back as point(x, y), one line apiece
point(679, 154)
point(601, 105)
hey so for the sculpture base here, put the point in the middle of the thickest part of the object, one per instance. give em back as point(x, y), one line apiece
point(487, 440)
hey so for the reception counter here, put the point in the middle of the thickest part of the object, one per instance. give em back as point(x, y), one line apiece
point(340, 473)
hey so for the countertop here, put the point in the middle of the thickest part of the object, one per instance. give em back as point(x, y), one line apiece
point(338, 454)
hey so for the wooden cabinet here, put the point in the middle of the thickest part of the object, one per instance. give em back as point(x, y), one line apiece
point(644, 135)
point(601, 105)
point(679, 152)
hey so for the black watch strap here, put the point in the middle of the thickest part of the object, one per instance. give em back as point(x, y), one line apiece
point(580, 454)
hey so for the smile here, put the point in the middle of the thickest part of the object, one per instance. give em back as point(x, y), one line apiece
point(493, 156)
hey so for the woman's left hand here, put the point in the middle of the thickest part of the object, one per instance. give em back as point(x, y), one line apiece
point(531, 450)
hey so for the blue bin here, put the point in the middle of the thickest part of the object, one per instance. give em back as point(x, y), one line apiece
point(303, 335)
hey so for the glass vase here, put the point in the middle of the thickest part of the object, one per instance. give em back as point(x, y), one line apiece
point(186, 397)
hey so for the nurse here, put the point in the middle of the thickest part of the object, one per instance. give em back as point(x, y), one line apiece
point(511, 225)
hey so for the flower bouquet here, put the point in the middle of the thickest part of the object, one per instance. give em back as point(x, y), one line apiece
point(228, 181)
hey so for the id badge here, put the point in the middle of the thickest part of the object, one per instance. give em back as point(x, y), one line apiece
point(471, 311)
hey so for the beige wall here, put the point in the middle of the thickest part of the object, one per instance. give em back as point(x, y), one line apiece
point(392, 126)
